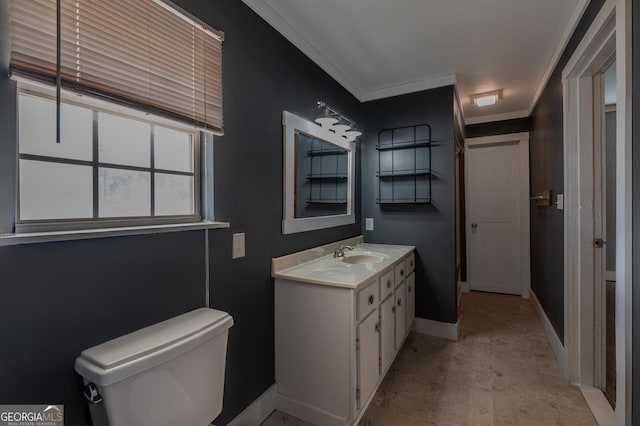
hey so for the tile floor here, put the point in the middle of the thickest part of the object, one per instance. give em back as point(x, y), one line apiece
point(501, 371)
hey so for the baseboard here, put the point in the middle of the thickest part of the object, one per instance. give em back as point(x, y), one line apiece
point(554, 340)
point(307, 412)
point(599, 406)
point(259, 409)
point(445, 330)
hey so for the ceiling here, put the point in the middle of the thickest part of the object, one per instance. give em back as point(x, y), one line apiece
point(381, 48)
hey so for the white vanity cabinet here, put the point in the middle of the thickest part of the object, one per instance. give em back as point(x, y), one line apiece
point(387, 320)
point(334, 341)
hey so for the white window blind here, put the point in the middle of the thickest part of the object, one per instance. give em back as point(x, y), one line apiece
point(143, 53)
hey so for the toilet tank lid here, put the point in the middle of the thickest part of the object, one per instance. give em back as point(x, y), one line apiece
point(127, 355)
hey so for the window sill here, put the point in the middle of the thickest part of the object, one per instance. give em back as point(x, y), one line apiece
point(42, 237)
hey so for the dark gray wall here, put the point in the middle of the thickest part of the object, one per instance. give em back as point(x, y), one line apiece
point(502, 127)
point(431, 227)
point(547, 172)
point(635, 239)
point(59, 298)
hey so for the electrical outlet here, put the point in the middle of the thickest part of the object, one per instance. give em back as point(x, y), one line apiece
point(238, 246)
point(368, 224)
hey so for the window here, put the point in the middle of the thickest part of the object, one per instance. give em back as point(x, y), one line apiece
point(113, 115)
point(107, 167)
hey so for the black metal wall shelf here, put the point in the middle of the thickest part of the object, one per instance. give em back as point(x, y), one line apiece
point(337, 177)
point(321, 201)
point(327, 152)
point(326, 176)
point(404, 165)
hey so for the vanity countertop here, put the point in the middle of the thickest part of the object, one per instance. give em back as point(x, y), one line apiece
point(327, 270)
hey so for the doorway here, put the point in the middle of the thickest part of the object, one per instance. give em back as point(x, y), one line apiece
point(604, 89)
point(607, 39)
point(497, 225)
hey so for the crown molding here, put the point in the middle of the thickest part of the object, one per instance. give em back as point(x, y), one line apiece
point(274, 19)
point(566, 36)
point(414, 86)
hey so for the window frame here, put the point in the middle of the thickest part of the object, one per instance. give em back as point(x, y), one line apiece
point(27, 231)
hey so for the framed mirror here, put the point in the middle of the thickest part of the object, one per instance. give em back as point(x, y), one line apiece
point(319, 183)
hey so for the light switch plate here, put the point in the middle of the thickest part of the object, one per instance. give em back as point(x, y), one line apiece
point(238, 245)
point(560, 201)
point(368, 224)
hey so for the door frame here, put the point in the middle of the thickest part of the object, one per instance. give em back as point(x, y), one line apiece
point(522, 141)
point(609, 35)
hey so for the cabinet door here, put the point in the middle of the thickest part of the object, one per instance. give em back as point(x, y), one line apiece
point(368, 354)
point(411, 300)
point(399, 270)
point(401, 314)
point(387, 332)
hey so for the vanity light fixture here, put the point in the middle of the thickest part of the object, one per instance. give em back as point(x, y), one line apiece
point(486, 98)
point(332, 120)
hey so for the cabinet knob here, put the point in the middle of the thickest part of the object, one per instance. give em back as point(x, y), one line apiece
point(399, 302)
point(411, 263)
point(393, 309)
point(377, 328)
point(401, 272)
point(371, 299)
point(388, 283)
point(409, 289)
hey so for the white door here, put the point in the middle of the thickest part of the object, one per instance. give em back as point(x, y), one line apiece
point(498, 214)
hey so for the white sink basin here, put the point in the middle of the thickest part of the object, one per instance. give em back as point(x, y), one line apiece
point(357, 259)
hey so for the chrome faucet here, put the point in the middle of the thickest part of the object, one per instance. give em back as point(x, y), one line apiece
point(340, 252)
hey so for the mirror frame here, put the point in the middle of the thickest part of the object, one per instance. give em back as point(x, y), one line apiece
point(290, 224)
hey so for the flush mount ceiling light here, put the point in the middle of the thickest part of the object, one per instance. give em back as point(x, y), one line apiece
point(486, 98)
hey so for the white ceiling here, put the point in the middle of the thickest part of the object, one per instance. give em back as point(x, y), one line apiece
point(380, 48)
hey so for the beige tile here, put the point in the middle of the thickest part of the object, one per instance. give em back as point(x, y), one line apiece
point(502, 371)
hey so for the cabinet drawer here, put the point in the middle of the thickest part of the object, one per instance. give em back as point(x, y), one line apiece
point(386, 284)
point(367, 300)
point(400, 272)
point(410, 263)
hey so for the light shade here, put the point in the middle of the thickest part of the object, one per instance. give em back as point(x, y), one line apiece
point(486, 99)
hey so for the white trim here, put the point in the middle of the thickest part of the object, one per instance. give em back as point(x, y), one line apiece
point(550, 332)
point(84, 234)
point(566, 36)
point(445, 330)
point(259, 409)
point(464, 286)
point(290, 224)
point(274, 19)
point(599, 406)
point(497, 117)
point(581, 309)
point(411, 87)
point(307, 412)
point(609, 32)
point(624, 223)
point(524, 204)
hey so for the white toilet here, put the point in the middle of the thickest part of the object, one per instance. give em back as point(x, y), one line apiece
point(170, 373)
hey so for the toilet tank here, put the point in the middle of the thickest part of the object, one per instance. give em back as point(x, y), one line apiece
point(170, 373)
